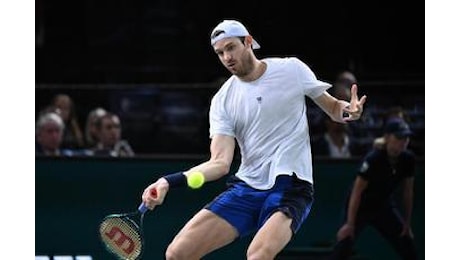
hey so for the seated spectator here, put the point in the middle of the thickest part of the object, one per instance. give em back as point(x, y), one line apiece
point(109, 138)
point(335, 142)
point(73, 137)
point(342, 84)
point(341, 89)
point(48, 135)
point(90, 127)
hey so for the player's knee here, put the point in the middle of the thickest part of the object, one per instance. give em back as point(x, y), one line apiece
point(174, 252)
point(260, 253)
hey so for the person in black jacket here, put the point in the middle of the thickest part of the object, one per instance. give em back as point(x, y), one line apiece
point(370, 201)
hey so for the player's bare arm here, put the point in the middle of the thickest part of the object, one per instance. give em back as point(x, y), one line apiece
point(335, 108)
point(222, 151)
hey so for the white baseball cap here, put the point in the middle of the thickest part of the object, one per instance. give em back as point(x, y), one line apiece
point(230, 28)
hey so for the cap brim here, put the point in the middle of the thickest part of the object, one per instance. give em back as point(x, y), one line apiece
point(255, 44)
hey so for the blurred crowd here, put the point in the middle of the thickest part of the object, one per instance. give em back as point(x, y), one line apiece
point(179, 125)
point(335, 140)
point(58, 132)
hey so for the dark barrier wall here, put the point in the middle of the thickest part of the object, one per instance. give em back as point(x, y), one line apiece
point(73, 195)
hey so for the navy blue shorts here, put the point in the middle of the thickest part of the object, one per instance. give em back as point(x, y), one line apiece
point(247, 209)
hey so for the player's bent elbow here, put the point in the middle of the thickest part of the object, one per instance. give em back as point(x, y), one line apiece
point(221, 165)
point(224, 168)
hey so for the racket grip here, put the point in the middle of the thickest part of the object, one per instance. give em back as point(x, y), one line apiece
point(143, 208)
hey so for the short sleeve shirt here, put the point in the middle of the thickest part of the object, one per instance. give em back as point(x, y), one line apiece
point(267, 117)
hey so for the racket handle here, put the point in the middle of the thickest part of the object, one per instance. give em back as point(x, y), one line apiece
point(143, 208)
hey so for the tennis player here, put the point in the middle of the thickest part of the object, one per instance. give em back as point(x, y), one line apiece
point(262, 108)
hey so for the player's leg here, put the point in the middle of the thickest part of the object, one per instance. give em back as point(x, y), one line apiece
point(390, 225)
point(233, 213)
point(204, 233)
point(282, 214)
point(264, 246)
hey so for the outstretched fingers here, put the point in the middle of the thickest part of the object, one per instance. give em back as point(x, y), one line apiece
point(355, 108)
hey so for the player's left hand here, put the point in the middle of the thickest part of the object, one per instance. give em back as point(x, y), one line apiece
point(355, 109)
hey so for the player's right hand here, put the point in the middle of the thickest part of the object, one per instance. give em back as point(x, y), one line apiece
point(155, 193)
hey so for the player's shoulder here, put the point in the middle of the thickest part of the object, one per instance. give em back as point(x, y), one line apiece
point(225, 86)
point(287, 60)
point(288, 64)
point(223, 90)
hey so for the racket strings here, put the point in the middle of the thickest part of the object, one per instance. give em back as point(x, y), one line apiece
point(121, 237)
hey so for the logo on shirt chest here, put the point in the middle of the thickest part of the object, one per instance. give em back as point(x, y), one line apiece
point(259, 100)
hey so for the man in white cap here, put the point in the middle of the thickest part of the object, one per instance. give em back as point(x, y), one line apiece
point(262, 108)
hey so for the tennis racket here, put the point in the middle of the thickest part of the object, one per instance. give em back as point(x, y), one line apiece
point(122, 235)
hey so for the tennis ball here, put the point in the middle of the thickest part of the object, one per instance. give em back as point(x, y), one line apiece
point(195, 180)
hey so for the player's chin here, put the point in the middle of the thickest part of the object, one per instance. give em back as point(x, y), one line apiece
point(232, 70)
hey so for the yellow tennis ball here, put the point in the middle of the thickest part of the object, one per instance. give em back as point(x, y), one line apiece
point(195, 180)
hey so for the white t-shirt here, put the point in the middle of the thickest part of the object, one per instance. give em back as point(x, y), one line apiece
point(268, 118)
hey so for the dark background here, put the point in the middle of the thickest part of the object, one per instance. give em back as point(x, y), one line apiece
point(156, 54)
point(168, 41)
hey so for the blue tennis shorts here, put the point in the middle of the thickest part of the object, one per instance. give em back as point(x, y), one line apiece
point(247, 209)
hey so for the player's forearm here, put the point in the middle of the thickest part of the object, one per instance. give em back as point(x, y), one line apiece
point(332, 106)
point(337, 112)
point(212, 169)
point(222, 150)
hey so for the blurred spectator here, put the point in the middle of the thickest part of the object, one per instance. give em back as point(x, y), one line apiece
point(342, 84)
point(341, 90)
point(109, 138)
point(335, 142)
point(90, 126)
point(73, 137)
point(48, 135)
point(395, 112)
point(358, 130)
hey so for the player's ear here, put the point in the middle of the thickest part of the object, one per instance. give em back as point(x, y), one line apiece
point(248, 40)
